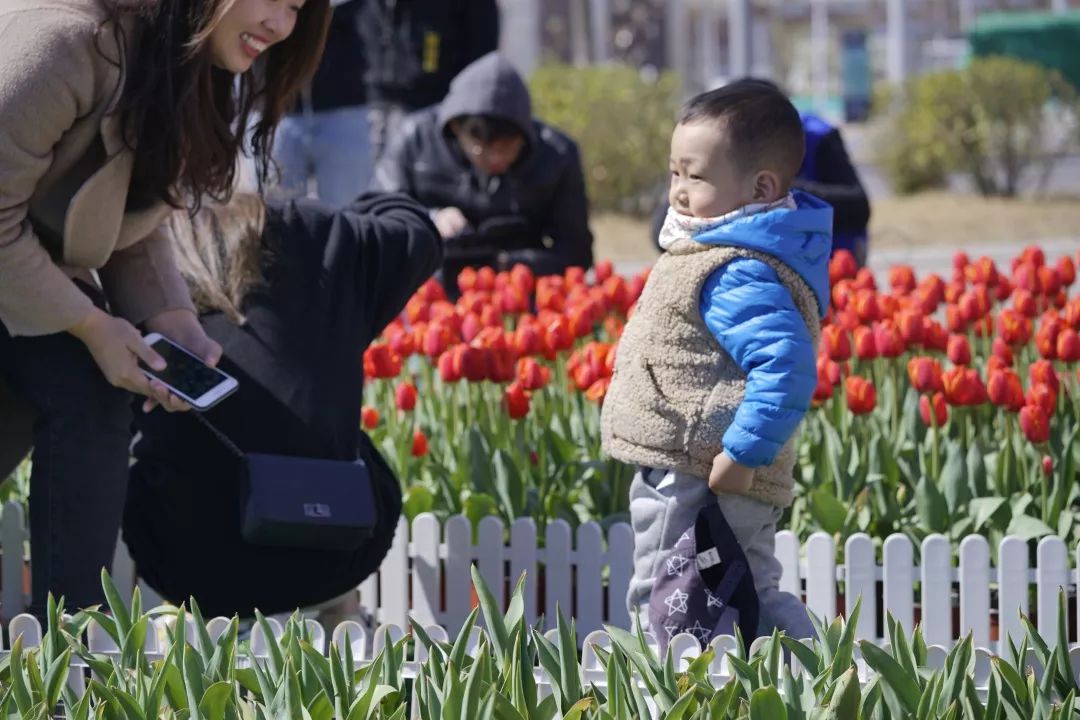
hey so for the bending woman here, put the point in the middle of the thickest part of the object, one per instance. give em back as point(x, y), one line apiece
point(111, 112)
point(294, 293)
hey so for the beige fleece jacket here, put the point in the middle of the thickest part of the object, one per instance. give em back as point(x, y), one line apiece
point(675, 390)
point(61, 70)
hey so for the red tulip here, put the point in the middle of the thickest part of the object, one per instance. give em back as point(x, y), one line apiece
point(1071, 314)
point(1024, 302)
point(485, 279)
point(902, 278)
point(953, 290)
point(1046, 337)
point(1048, 466)
point(933, 410)
point(1035, 424)
point(824, 389)
point(401, 342)
point(528, 339)
point(617, 293)
point(935, 337)
point(1014, 327)
point(1043, 397)
point(842, 265)
point(1026, 277)
point(531, 374)
point(369, 417)
point(1004, 389)
point(1000, 350)
point(1068, 346)
point(843, 293)
point(471, 362)
point(959, 350)
point(1049, 280)
point(861, 395)
point(925, 374)
point(960, 260)
point(405, 396)
point(1066, 270)
point(866, 306)
point(448, 370)
point(436, 339)
point(864, 279)
point(963, 387)
point(911, 326)
point(381, 362)
point(887, 339)
point(835, 343)
point(602, 270)
point(954, 319)
point(865, 345)
point(419, 443)
point(1033, 254)
point(1042, 371)
point(466, 280)
point(417, 310)
point(516, 401)
point(982, 271)
point(557, 334)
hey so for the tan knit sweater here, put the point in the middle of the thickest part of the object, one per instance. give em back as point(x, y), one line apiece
point(675, 390)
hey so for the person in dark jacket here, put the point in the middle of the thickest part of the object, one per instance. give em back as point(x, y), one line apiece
point(294, 293)
point(327, 136)
point(827, 173)
point(502, 187)
point(413, 49)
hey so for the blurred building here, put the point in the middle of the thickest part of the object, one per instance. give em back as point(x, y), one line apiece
point(825, 52)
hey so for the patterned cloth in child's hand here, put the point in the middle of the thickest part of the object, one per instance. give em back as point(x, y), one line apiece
point(705, 575)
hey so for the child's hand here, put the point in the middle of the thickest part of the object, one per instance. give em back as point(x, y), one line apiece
point(728, 476)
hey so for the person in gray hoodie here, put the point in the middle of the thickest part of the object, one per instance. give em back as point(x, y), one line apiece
point(501, 186)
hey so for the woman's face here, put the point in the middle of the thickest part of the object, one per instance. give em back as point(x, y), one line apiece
point(248, 28)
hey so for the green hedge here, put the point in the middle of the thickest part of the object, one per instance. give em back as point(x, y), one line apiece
point(622, 122)
point(986, 120)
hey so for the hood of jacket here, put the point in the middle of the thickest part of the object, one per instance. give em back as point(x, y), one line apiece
point(491, 86)
point(800, 237)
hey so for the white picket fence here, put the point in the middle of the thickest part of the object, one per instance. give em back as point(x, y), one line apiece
point(585, 573)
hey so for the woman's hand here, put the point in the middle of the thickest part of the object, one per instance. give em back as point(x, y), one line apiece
point(117, 347)
point(183, 328)
point(450, 221)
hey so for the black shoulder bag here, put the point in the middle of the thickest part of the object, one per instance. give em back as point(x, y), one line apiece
point(302, 502)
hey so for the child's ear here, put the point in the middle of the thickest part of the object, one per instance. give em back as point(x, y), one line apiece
point(766, 186)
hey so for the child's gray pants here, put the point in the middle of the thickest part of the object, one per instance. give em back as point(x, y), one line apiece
point(664, 504)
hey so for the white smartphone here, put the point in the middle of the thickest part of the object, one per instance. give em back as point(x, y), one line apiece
point(188, 377)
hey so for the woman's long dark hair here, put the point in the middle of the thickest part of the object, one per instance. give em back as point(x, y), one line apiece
point(187, 118)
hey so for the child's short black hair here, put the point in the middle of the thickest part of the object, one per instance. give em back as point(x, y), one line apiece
point(762, 126)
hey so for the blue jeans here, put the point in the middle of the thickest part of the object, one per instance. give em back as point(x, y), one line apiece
point(333, 147)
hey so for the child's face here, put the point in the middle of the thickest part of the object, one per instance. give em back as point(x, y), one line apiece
point(705, 181)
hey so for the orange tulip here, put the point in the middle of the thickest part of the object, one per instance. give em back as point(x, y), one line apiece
point(381, 362)
point(861, 395)
point(902, 278)
point(865, 344)
point(598, 390)
point(842, 265)
point(1014, 327)
point(835, 343)
point(925, 374)
point(963, 387)
point(1068, 345)
point(531, 374)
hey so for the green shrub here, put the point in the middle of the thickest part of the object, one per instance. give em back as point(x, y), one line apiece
point(986, 120)
point(622, 123)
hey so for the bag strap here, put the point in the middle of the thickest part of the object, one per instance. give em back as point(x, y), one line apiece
point(224, 439)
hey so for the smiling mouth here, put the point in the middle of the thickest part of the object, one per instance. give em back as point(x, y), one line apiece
point(253, 45)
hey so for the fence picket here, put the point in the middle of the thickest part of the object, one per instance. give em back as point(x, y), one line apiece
point(394, 586)
point(13, 535)
point(787, 552)
point(620, 560)
point(557, 571)
point(523, 560)
point(425, 573)
point(489, 558)
point(27, 626)
point(936, 579)
point(1012, 591)
point(899, 581)
point(821, 576)
point(458, 532)
point(861, 582)
point(590, 598)
point(975, 589)
point(1051, 575)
